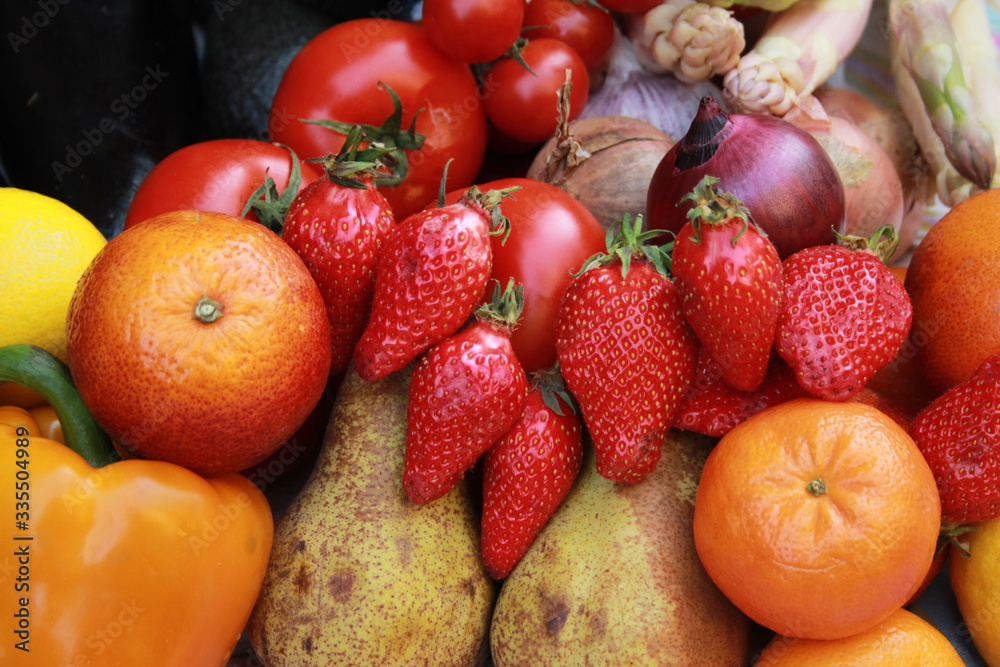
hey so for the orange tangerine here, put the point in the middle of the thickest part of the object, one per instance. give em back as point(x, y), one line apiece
point(817, 519)
point(902, 638)
point(954, 283)
point(199, 338)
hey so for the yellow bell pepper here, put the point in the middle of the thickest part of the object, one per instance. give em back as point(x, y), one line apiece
point(109, 562)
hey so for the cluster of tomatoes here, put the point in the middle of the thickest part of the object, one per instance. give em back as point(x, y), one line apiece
point(521, 66)
point(471, 75)
point(392, 78)
point(521, 53)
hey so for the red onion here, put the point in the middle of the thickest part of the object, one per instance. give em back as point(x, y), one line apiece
point(873, 193)
point(781, 173)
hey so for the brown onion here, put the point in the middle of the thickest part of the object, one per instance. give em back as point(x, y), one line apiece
point(872, 190)
point(889, 127)
point(605, 162)
point(779, 170)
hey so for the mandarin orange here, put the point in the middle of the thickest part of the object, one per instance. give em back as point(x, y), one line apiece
point(954, 283)
point(199, 338)
point(902, 639)
point(817, 519)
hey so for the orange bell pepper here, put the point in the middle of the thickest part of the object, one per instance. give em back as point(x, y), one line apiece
point(111, 562)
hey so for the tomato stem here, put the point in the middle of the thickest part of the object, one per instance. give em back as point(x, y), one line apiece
point(271, 205)
point(390, 140)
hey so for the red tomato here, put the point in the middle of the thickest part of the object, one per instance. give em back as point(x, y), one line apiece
point(217, 175)
point(473, 31)
point(586, 27)
point(551, 235)
point(522, 103)
point(336, 76)
point(631, 6)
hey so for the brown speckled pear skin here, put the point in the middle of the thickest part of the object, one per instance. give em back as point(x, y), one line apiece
point(614, 578)
point(359, 575)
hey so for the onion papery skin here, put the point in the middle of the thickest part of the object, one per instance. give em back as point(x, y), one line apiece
point(779, 171)
point(606, 162)
point(626, 88)
point(888, 127)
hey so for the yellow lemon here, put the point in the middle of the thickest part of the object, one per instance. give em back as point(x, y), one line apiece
point(44, 247)
point(976, 582)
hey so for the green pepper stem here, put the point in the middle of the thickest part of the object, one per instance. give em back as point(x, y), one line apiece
point(44, 373)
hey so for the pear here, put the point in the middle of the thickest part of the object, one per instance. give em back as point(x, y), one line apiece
point(359, 575)
point(614, 578)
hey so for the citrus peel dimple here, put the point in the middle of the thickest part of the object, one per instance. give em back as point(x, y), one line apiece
point(817, 518)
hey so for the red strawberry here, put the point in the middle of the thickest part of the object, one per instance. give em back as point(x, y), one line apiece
point(728, 276)
point(959, 436)
point(527, 474)
point(430, 276)
point(466, 392)
point(845, 316)
point(711, 406)
point(337, 225)
point(626, 353)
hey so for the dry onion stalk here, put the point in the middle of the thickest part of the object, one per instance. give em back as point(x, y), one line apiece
point(606, 162)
